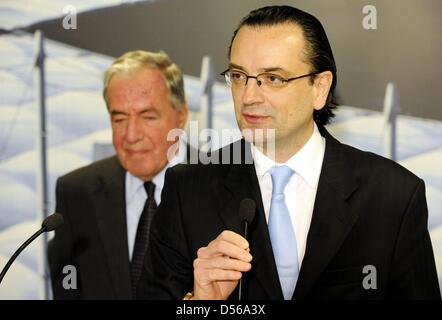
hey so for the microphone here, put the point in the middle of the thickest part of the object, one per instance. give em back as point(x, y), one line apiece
point(51, 223)
point(247, 208)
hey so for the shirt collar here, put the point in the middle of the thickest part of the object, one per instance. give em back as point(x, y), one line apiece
point(307, 162)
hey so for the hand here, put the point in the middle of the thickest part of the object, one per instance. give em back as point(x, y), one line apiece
point(219, 266)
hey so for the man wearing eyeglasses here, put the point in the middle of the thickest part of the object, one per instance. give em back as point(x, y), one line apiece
point(331, 221)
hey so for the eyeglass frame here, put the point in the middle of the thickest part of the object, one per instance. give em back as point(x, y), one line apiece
point(224, 73)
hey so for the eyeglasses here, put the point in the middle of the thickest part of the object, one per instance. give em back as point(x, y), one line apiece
point(266, 80)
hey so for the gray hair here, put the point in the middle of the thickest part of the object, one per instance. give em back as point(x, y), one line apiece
point(135, 60)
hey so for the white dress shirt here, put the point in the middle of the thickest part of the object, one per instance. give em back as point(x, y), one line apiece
point(136, 196)
point(300, 191)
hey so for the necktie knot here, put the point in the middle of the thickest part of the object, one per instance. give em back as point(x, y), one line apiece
point(149, 186)
point(280, 177)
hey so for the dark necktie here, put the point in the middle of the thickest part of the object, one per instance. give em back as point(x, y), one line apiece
point(142, 236)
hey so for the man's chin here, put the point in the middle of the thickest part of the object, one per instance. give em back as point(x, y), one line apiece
point(144, 174)
point(137, 166)
point(258, 135)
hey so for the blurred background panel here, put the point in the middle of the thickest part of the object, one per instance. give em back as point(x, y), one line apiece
point(388, 78)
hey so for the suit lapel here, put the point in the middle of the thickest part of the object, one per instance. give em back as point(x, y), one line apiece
point(332, 218)
point(241, 182)
point(110, 211)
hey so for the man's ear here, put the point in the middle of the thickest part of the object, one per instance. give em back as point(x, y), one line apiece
point(322, 84)
point(183, 114)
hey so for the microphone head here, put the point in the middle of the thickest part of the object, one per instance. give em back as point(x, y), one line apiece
point(247, 209)
point(52, 222)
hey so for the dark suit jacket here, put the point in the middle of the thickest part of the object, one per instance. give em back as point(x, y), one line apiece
point(93, 237)
point(368, 211)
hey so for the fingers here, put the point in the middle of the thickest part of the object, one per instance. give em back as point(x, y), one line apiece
point(222, 263)
point(223, 248)
point(219, 266)
point(206, 277)
point(223, 259)
point(218, 269)
point(234, 238)
point(228, 244)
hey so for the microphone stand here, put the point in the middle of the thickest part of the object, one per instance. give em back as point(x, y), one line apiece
point(240, 286)
point(19, 250)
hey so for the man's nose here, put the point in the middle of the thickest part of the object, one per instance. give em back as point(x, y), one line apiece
point(134, 131)
point(252, 92)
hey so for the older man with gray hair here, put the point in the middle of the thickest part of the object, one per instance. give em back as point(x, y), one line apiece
point(108, 205)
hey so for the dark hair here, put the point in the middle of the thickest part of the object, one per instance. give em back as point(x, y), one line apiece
point(318, 50)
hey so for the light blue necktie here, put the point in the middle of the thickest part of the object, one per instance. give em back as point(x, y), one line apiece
point(282, 234)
